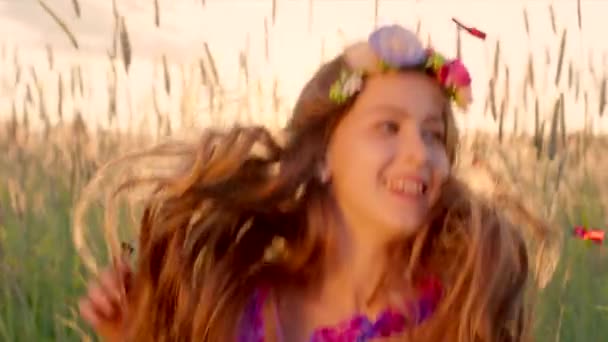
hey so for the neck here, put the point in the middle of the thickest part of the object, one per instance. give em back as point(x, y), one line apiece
point(356, 257)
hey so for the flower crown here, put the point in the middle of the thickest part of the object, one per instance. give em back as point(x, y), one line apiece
point(393, 48)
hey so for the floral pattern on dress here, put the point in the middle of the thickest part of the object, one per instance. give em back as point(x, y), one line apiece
point(357, 329)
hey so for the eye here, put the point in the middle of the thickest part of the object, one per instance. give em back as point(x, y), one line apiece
point(434, 135)
point(389, 127)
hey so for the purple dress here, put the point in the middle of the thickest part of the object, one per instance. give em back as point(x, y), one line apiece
point(360, 328)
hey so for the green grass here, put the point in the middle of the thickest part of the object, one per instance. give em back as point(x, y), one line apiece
point(41, 276)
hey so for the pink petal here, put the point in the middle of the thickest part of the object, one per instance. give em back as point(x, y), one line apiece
point(360, 56)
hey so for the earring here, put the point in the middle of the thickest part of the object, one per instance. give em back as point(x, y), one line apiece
point(324, 176)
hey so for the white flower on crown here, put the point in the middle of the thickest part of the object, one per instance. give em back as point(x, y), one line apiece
point(353, 84)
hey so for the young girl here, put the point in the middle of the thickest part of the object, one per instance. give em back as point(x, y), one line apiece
point(353, 229)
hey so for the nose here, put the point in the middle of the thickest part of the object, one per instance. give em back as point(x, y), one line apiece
point(412, 148)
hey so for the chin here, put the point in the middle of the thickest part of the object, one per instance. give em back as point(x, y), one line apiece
point(405, 226)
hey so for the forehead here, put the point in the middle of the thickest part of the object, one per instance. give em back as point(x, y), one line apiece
point(411, 92)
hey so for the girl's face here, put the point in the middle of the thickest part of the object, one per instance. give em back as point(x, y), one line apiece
point(387, 158)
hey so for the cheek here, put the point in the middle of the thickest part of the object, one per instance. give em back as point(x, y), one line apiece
point(440, 173)
point(441, 165)
point(358, 161)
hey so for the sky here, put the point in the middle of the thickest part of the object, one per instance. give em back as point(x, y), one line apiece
point(298, 42)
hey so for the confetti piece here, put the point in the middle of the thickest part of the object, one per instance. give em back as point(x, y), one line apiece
point(471, 30)
point(595, 235)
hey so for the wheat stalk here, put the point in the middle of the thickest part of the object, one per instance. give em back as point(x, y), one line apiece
point(60, 22)
point(76, 7)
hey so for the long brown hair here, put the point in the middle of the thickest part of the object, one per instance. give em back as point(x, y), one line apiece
point(208, 228)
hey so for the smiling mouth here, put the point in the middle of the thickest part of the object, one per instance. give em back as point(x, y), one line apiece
point(406, 187)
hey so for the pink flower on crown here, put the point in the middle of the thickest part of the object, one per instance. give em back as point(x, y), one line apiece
point(361, 57)
point(454, 74)
point(455, 77)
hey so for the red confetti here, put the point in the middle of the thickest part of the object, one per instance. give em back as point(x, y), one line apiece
point(595, 235)
point(471, 30)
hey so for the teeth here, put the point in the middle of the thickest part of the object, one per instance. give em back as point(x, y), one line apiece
point(405, 186)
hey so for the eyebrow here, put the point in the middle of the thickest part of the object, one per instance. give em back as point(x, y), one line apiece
point(395, 110)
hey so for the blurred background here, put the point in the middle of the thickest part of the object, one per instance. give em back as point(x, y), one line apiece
point(82, 81)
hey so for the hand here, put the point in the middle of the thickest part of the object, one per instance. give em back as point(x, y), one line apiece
point(104, 306)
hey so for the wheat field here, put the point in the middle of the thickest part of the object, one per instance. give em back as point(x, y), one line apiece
point(50, 148)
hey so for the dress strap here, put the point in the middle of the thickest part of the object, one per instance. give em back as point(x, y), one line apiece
point(252, 324)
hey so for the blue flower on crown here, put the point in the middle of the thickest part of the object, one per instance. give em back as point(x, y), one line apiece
point(397, 47)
